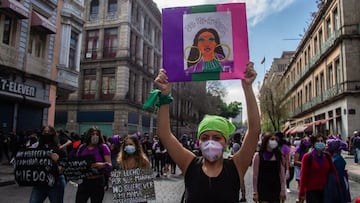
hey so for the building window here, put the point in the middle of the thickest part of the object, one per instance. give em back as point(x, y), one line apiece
point(110, 42)
point(145, 56)
point(112, 9)
point(92, 39)
point(89, 84)
point(7, 30)
point(132, 86)
point(338, 74)
point(310, 90)
point(328, 28)
point(144, 91)
point(320, 39)
point(336, 19)
point(94, 10)
point(72, 52)
point(108, 83)
point(37, 43)
point(322, 82)
point(315, 45)
point(317, 86)
point(133, 46)
point(330, 76)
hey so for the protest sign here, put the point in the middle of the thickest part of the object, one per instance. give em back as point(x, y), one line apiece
point(35, 167)
point(133, 185)
point(207, 42)
point(78, 168)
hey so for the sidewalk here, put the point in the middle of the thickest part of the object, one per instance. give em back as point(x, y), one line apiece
point(353, 168)
point(6, 174)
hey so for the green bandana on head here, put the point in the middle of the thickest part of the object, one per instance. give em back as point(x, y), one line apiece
point(216, 123)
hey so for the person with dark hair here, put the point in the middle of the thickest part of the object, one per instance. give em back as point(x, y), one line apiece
point(300, 151)
point(93, 187)
point(147, 147)
point(356, 147)
point(115, 144)
point(210, 178)
point(236, 145)
point(269, 172)
point(285, 151)
point(4, 146)
point(334, 147)
point(314, 172)
point(64, 140)
point(131, 155)
point(49, 140)
point(206, 53)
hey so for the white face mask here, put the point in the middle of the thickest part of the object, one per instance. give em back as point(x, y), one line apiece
point(273, 144)
point(94, 140)
point(297, 142)
point(212, 150)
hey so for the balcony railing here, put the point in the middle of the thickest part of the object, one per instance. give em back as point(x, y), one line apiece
point(67, 79)
point(38, 66)
point(10, 56)
point(324, 96)
point(323, 48)
point(113, 15)
point(94, 17)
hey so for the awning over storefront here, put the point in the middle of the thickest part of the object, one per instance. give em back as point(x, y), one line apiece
point(41, 23)
point(14, 7)
point(300, 129)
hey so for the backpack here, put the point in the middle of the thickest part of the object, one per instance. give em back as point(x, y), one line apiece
point(106, 170)
point(331, 194)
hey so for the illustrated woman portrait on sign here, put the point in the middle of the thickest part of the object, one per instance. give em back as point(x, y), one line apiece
point(208, 43)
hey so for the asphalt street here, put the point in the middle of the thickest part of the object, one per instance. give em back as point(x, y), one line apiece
point(168, 190)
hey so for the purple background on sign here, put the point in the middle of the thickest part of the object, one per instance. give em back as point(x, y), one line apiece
point(173, 45)
point(240, 39)
point(172, 26)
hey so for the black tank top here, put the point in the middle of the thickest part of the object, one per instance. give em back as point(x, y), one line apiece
point(269, 186)
point(201, 188)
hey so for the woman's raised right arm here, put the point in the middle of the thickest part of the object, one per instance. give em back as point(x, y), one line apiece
point(181, 156)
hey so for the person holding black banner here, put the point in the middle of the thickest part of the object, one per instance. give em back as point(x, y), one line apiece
point(131, 155)
point(48, 140)
point(93, 187)
point(210, 178)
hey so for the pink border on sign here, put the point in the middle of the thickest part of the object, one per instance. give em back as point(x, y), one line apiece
point(240, 39)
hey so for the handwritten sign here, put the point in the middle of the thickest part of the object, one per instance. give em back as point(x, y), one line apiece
point(206, 42)
point(79, 167)
point(134, 185)
point(35, 167)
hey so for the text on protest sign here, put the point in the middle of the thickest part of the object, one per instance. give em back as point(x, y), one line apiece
point(134, 185)
point(79, 167)
point(35, 167)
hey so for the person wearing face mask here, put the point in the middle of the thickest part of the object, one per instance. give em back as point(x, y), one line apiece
point(48, 140)
point(93, 187)
point(314, 172)
point(131, 155)
point(269, 172)
point(210, 178)
point(300, 151)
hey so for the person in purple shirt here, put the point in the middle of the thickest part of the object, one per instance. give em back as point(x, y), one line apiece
point(93, 187)
point(300, 151)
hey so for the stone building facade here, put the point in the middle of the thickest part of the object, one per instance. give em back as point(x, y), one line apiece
point(27, 37)
point(120, 55)
point(322, 81)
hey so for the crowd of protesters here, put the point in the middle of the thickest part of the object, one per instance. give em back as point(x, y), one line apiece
point(287, 157)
